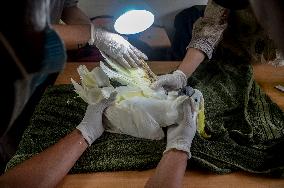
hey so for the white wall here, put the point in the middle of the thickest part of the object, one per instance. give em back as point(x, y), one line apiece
point(165, 9)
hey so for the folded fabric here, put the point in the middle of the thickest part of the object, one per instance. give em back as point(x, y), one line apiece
point(246, 127)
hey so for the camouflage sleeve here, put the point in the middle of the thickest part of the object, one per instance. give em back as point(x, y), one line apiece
point(70, 3)
point(208, 30)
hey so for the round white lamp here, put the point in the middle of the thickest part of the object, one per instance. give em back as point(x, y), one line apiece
point(134, 17)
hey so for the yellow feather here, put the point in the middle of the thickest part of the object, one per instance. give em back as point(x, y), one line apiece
point(201, 121)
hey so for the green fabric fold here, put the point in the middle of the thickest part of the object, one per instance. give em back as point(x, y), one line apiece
point(246, 127)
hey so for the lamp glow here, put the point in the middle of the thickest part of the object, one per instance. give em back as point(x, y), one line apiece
point(134, 21)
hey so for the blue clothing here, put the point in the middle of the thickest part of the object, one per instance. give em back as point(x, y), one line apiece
point(21, 90)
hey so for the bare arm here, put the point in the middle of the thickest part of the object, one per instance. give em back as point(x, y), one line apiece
point(74, 36)
point(207, 33)
point(48, 168)
point(191, 61)
point(170, 170)
point(76, 32)
point(74, 15)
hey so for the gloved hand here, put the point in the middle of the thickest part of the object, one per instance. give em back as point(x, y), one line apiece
point(118, 48)
point(180, 136)
point(91, 126)
point(173, 81)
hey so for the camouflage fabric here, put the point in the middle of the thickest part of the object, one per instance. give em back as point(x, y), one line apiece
point(235, 29)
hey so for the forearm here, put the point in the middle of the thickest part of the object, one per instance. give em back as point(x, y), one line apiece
point(191, 61)
point(74, 16)
point(74, 36)
point(170, 170)
point(48, 168)
point(76, 32)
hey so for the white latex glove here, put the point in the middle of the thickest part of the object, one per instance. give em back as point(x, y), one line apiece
point(91, 126)
point(118, 48)
point(180, 136)
point(173, 81)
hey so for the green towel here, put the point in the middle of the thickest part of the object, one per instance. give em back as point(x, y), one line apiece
point(246, 127)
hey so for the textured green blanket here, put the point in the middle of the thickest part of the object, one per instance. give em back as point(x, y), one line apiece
point(246, 128)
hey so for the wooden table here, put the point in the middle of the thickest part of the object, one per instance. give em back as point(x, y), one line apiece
point(266, 75)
